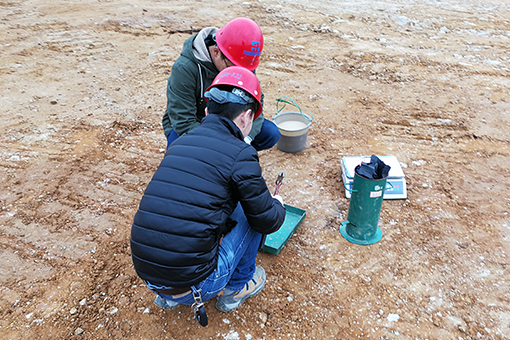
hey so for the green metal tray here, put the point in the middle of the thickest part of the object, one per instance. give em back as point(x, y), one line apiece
point(273, 243)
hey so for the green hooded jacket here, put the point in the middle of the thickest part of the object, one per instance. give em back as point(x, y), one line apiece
point(192, 73)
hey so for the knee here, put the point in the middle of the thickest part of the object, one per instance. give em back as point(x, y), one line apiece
point(268, 136)
point(273, 131)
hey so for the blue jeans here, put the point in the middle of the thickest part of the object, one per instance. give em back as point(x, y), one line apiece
point(236, 262)
point(266, 139)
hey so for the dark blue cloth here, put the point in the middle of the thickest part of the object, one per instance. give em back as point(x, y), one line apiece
point(267, 137)
point(172, 136)
point(375, 169)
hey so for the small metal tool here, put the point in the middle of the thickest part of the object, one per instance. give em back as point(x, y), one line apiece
point(278, 182)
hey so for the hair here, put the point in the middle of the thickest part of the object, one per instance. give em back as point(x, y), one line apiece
point(224, 57)
point(231, 110)
point(211, 41)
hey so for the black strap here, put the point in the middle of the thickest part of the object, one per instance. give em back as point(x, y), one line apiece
point(201, 316)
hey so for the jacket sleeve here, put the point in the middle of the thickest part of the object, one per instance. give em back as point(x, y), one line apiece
point(181, 97)
point(265, 214)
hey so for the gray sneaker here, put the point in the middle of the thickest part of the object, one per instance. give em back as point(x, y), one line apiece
point(229, 301)
point(165, 303)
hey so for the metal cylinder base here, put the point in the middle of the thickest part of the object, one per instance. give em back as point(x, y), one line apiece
point(347, 231)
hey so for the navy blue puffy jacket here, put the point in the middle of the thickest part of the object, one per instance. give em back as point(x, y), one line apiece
point(186, 207)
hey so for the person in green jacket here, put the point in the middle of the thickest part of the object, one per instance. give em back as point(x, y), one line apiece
point(203, 56)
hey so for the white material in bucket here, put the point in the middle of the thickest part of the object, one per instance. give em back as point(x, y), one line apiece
point(292, 125)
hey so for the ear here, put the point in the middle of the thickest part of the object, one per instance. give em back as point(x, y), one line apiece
point(246, 117)
point(206, 112)
point(216, 51)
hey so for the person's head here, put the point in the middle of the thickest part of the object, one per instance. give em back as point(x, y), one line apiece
point(235, 94)
point(238, 43)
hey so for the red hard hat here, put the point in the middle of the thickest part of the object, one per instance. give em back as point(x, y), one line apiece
point(241, 41)
point(241, 78)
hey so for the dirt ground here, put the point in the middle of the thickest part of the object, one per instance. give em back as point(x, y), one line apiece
point(83, 92)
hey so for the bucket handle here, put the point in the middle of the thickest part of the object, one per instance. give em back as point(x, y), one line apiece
point(293, 103)
point(352, 190)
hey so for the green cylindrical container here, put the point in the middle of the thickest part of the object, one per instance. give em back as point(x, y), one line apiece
point(362, 222)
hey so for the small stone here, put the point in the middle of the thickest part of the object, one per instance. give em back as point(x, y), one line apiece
point(402, 21)
point(263, 317)
point(79, 331)
point(392, 317)
point(73, 311)
point(75, 285)
point(83, 302)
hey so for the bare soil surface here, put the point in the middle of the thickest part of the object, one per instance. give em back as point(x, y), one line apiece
point(83, 92)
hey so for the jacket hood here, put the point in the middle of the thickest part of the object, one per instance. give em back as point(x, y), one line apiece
point(200, 50)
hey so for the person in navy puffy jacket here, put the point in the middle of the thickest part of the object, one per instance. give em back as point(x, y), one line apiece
point(200, 221)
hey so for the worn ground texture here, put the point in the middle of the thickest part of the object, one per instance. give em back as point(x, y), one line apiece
point(82, 94)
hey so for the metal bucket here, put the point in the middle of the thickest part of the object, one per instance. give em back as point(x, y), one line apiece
point(293, 128)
